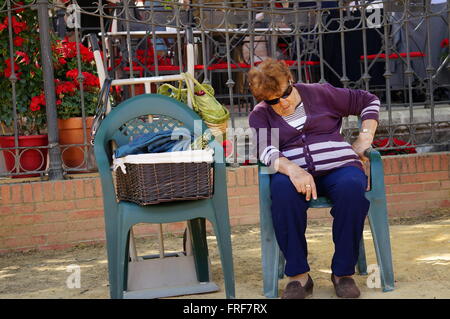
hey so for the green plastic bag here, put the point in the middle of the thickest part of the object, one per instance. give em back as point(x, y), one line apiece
point(204, 102)
point(179, 93)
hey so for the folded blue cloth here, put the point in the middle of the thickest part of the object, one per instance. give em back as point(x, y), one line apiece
point(159, 142)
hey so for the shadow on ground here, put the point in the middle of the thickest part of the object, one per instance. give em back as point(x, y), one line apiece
point(420, 252)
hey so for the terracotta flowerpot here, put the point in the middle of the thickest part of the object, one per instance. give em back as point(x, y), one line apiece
point(29, 159)
point(71, 132)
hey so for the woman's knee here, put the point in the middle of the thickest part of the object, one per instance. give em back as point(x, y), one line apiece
point(349, 190)
point(281, 186)
point(351, 183)
point(285, 198)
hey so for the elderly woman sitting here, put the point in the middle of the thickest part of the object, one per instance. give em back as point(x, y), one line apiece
point(298, 135)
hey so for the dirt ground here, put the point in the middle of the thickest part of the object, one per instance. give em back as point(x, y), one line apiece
point(421, 254)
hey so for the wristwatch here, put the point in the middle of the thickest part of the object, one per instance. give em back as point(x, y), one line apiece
point(366, 130)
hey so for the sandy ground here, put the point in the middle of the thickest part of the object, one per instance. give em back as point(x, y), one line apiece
point(421, 253)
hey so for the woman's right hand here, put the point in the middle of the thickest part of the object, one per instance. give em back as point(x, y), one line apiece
point(303, 181)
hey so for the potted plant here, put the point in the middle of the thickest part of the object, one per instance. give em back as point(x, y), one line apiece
point(68, 84)
point(23, 68)
point(30, 95)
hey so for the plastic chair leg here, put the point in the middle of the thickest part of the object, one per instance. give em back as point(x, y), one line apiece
point(270, 252)
point(197, 227)
point(221, 226)
point(122, 260)
point(379, 225)
point(127, 259)
point(362, 264)
point(270, 259)
point(281, 265)
point(112, 267)
point(112, 246)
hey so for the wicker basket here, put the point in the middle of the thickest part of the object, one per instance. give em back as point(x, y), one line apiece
point(153, 183)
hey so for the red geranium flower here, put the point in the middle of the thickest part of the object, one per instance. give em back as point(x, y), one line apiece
point(72, 74)
point(65, 87)
point(17, 7)
point(86, 54)
point(37, 102)
point(68, 49)
point(18, 26)
point(25, 57)
point(444, 43)
point(90, 79)
point(18, 41)
point(384, 142)
point(34, 105)
point(8, 71)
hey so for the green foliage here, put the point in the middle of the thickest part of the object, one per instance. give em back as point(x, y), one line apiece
point(71, 105)
point(26, 64)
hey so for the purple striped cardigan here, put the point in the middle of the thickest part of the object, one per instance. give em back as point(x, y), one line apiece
point(318, 147)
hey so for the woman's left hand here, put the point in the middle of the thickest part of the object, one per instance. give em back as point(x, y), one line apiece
point(362, 143)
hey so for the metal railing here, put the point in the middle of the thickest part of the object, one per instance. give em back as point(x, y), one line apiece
point(395, 49)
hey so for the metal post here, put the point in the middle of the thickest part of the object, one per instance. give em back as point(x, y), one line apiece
point(55, 169)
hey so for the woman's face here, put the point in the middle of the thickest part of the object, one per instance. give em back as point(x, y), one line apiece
point(285, 101)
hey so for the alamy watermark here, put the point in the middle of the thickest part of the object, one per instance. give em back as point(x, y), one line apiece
point(373, 280)
point(73, 16)
point(240, 136)
point(74, 279)
point(374, 19)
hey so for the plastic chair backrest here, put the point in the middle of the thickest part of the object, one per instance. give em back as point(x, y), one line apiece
point(127, 120)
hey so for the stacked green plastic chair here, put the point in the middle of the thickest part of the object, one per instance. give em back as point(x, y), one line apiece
point(126, 120)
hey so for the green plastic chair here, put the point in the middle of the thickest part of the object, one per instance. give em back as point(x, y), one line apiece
point(272, 258)
point(130, 119)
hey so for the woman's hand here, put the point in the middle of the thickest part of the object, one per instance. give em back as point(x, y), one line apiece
point(362, 143)
point(365, 138)
point(303, 182)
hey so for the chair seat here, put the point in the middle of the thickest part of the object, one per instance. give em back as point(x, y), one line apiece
point(320, 202)
point(166, 212)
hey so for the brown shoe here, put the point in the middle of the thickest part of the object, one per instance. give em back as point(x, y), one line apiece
point(295, 290)
point(346, 287)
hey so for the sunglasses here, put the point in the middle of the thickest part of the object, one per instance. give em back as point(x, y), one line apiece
point(284, 96)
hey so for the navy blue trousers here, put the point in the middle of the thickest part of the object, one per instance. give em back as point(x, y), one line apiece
point(345, 187)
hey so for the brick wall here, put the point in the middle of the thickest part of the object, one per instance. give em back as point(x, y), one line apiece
point(417, 184)
point(59, 214)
